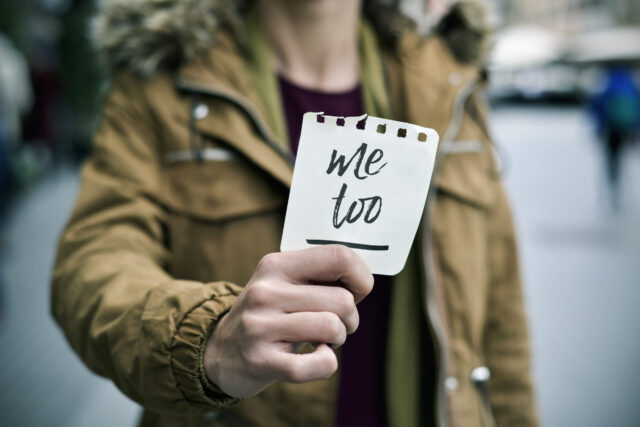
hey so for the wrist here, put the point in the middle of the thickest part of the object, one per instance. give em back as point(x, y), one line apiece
point(209, 387)
point(209, 356)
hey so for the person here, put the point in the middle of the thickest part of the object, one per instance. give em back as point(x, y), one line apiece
point(15, 100)
point(616, 111)
point(168, 278)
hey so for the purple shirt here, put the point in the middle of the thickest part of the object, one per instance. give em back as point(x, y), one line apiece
point(361, 400)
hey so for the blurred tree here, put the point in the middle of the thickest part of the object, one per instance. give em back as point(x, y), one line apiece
point(13, 17)
point(79, 73)
point(569, 15)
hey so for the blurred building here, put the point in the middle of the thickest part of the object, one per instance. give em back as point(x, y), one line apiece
point(558, 49)
point(52, 38)
point(569, 16)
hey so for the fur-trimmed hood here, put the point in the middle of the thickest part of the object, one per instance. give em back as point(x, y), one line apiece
point(146, 36)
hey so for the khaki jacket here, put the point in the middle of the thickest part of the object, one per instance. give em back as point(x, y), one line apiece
point(186, 190)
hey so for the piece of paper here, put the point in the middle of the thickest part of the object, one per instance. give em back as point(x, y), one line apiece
point(363, 188)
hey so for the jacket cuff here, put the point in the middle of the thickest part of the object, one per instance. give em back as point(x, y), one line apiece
point(188, 345)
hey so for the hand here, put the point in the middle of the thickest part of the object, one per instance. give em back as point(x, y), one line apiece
point(292, 297)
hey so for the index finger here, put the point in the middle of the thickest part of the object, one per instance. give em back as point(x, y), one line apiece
point(330, 263)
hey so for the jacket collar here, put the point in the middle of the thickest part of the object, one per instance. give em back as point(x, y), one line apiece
point(150, 36)
point(426, 84)
point(240, 122)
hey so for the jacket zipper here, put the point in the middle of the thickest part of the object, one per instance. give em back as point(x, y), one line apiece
point(246, 107)
point(431, 304)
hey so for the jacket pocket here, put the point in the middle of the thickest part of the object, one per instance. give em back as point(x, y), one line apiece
point(220, 186)
point(466, 192)
point(467, 388)
point(468, 173)
point(223, 216)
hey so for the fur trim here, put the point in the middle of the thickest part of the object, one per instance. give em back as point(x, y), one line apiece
point(148, 35)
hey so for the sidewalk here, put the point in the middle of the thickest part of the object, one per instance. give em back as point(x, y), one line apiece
point(43, 381)
point(581, 266)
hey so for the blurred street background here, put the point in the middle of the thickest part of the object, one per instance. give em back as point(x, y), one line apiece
point(565, 111)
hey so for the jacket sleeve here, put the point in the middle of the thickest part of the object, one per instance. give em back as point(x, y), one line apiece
point(506, 337)
point(121, 312)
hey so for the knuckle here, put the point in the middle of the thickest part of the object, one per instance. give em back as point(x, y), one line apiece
point(332, 325)
point(253, 357)
point(340, 340)
point(329, 364)
point(250, 325)
point(345, 302)
point(370, 283)
point(258, 294)
point(295, 371)
point(343, 256)
point(268, 263)
point(254, 360)
point(354, 322)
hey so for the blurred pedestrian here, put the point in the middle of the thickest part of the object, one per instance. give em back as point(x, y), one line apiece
point(617, 113)
point(168, 278)
point(15, 90)
point(15, 102)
